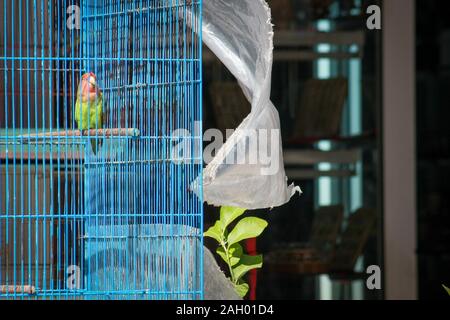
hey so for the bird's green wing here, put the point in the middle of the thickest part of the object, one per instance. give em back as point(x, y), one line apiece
point(82, 115)
point(96, 114)
point(99, 108)
point(77, 113)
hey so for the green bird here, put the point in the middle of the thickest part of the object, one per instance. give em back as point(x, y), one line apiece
point(89, 107)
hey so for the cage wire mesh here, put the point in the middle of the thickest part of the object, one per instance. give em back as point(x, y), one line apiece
point(103, 212)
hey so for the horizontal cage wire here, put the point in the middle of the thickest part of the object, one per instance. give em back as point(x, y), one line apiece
point(94, 203)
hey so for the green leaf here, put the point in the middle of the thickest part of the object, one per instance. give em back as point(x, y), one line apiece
point(447, 289)
point(229, 214)
point(246, 264)
point(247, 228)
point(241, 289)
point(215, 232)
point(235, 252)
point(221, 252)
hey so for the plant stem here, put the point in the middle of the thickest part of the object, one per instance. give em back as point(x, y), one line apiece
point(225, 248)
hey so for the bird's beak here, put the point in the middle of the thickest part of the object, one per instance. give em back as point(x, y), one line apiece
point(92, 82)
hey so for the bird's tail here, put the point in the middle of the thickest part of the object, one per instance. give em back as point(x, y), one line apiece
point(95, 144)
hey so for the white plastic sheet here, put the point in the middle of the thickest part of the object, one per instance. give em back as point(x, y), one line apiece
point(240, 34)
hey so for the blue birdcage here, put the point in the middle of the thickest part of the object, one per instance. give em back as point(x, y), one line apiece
point(100, 209)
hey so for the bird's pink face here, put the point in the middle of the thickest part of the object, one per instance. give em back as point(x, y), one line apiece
point(88, 88)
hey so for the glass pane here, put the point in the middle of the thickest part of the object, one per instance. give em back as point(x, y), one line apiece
point(326, 78)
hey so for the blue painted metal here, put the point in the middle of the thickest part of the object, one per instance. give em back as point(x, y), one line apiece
point(123, 223)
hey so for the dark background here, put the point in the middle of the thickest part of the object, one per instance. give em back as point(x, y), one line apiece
point(433, 146)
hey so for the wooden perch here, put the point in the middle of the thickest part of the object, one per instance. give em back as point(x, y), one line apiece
point(129, 132)
point(17, 289)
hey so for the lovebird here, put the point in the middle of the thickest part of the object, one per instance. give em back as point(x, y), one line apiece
point(89, 106)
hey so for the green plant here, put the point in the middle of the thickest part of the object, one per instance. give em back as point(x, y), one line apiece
point(447, 289)
point(230, 249)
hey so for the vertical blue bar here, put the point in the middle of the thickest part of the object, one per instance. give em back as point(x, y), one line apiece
point(13, 109)
point(200, 216)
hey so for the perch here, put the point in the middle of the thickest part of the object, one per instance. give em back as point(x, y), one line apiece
point(17, 289)
point(128, 132)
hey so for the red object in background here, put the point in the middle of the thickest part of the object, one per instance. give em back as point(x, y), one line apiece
point(250, 246)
